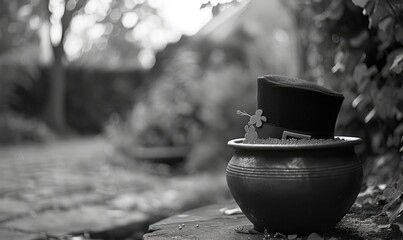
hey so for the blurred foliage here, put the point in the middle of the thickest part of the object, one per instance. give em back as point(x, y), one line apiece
point(191, 104)
point(357, 47)
point(16, 129)
point(16, 31)
point(14, 76)
point(18, 51)
point(217, 7)
point(122, 30)
point(91, 30)
point(168, 115)
point(204, 80)
point(93, 96)
point(201, 82)
point(18, 54)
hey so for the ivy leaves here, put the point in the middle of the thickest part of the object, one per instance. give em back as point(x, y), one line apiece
point(361, 3)
point(397, 65)
point(392, 195)
point(386, 15)
point(361, 54)
point(377, 10)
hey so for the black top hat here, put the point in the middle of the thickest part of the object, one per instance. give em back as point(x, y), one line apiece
point(296, 108)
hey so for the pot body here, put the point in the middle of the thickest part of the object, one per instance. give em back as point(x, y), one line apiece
point(297, 190)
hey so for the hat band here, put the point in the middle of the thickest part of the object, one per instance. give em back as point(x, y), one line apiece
point(272, 131)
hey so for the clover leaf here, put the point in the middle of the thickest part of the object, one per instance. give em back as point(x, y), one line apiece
point(257, 118)
point(250, 135)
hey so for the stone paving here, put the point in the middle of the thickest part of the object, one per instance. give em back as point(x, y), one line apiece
point(82, 189)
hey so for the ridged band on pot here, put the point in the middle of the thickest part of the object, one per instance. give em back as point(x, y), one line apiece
point(295, 188)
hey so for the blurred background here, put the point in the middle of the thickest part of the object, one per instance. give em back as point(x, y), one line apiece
point(159, 81)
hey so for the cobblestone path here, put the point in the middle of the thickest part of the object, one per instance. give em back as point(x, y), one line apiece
point(82, 188)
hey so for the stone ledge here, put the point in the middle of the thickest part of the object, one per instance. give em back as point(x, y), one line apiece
point(209, 223)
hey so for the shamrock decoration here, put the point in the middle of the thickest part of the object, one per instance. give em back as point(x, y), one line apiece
point(254, 119)
point(250, 135)
point(257, 118)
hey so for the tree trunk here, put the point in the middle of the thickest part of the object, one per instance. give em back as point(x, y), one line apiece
point(56, 99)
point(55, 109)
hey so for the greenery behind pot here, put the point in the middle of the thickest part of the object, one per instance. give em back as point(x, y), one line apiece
point(357, 47)
point(204, 81)
point(190, 107)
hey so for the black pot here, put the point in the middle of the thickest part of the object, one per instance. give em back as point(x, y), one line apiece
point(295, 188)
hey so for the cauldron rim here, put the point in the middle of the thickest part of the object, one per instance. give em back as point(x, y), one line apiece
point(347, 142)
